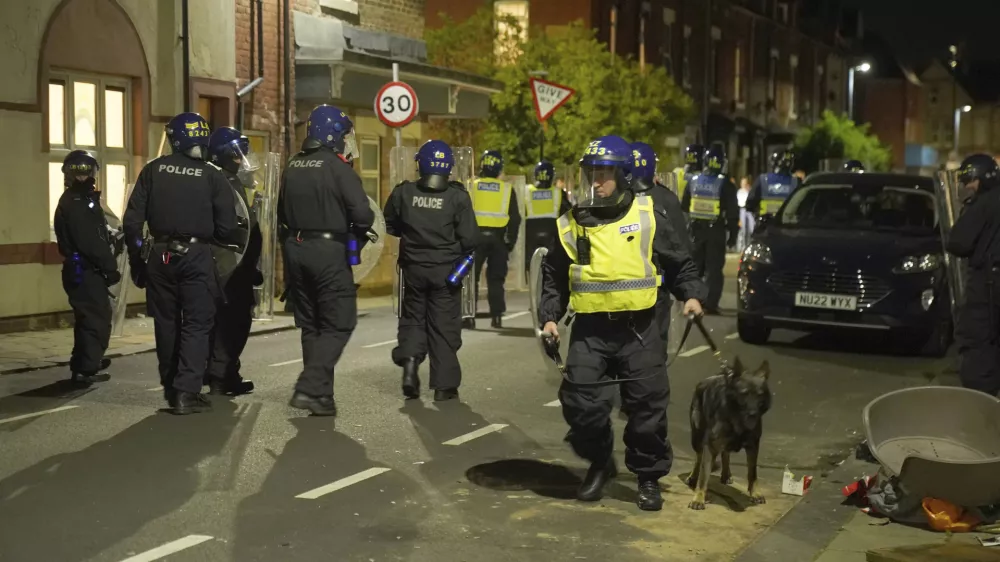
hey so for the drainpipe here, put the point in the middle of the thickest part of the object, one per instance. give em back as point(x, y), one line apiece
point(288, 79)
point(186, 48)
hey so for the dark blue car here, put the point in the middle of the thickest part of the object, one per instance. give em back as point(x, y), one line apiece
point(850, 251)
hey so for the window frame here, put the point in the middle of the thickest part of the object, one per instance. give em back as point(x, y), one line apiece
point(793, 80)
point(376, 173)
point(738, 79)
point(498, 11)
point(686, 58)
point(667, 41)
point(715, 64)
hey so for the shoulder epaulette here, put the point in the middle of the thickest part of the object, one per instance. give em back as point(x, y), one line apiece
point(458, 185)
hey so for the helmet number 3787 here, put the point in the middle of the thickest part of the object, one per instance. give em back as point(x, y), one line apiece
point(396, 104)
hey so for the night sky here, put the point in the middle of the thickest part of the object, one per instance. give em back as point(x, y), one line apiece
point(918, 29)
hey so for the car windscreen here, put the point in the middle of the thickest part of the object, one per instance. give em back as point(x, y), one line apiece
point(888, 208)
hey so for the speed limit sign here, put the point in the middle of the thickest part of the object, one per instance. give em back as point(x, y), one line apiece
point(396, 104)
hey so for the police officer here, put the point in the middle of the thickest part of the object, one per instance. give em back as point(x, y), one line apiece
point(89, 266)
point(325, 208)
point(644, 184)
point(854, 166)
point(187, 202)
point(229, 150)
point(711, 203)
point(543, 206)
point(604, 265)
point(499, 220)
point(437, 230)
point(770, 190)
point(976, 236)
point(694, 158)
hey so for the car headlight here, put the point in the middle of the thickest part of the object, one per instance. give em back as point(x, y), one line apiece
point(918, 264)
point(756, 252)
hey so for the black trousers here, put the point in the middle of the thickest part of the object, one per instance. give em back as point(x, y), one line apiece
point(326, 308)
point(233, 320)
point(538, 233)
point(709, 255)
point(88, 297)
point(663, 303)
point(431, 323)
point(180, 296)
point(977, 333)
point(603, 349)
point(492, 251)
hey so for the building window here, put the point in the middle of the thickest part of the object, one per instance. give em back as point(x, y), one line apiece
point(793, 90)
point(503, 12)
point(715, 62)
point(667, 40)
point(782, 12)
point(772, 78)
point(738, 76)
point(370, 169)
point(90, 112)
point(686, 58)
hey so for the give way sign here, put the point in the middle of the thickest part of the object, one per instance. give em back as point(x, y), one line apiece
point(549, 97)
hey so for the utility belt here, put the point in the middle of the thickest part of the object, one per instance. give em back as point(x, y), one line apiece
point(301, 235)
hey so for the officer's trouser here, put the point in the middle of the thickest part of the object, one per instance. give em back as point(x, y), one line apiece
point(431, 323)
point(601, 349)
point(88, 296)
point(663, 303)
point(233, 321)
point(709, 255)
point(492, 250)
point(326, 308)
point(538, 233)
point(977, 332)
point(180, 296)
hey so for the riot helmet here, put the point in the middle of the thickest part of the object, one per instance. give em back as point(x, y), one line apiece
point(434, 163)
point(80, 168)
point(188, 134)
point(643, 166)
point(544, 174)
point(330, 127)
point(982, 168)
point(854, 167)
point(229, 149)
point(491, 164)
point(604, 171)
point(694, 158)
point(782, 161)
point(715, 161)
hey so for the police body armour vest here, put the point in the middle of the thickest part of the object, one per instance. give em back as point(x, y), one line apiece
point(621, 275)
point(543, 203)
point(777, 188)
point(491, 201)
point(706, 191)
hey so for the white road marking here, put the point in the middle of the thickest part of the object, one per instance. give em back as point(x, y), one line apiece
point(342, 483)
point(732, 336)
point(475, 434)
point(379, 344)
point(283, 363)
point(516, 314)
point(553, 404)
point(695, 351)
point(169, 548)
point(154, 388)
point(36, 414)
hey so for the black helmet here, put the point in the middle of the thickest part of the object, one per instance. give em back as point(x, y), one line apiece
point(782, 160)
point(980, 167)
point(694, 158)
point(854, 166)
point(77, 164)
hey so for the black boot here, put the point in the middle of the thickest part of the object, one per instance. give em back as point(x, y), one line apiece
point(89, 378)
point(411, 379)
point(318, 405)
point(231, 387)
point(190, 403)
point(497, 322)
point(650, 497)
point(592, 487)
point(105, 363)
point(445, 394)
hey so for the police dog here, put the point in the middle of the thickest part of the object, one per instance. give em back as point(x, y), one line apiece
point(727, 411)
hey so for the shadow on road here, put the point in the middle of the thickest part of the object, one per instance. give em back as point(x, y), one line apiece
point(95, 498)
point(516, 332)
point(54, 395)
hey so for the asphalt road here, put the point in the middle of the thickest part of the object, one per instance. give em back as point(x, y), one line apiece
point(102, 475)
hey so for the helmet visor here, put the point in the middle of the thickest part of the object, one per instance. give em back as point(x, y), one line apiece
point(600, 186)
point(245, 162)
point(351, 151)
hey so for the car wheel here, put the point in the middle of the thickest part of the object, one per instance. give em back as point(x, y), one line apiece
point(754, 333)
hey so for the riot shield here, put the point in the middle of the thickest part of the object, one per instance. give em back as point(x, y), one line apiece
point(373, 248)
point(464, 169)
point(517, 275)
point(229, 253)
point(402, 166)
point(552, 352)
point(469, 301)
point(119, 291)
point(265, 208)
point(949, 199)
point(668, 180)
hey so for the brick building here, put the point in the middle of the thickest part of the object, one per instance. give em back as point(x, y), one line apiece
point(757, 69)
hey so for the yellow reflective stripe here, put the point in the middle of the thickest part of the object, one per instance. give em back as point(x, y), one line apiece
point(566, 236)
point(646, 222)
point(704, 208)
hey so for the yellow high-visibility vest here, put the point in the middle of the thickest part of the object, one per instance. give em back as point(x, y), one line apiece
point(621, 275)
point(706, 197)
point(682, 181)
point(491, 202)
point(543, 203)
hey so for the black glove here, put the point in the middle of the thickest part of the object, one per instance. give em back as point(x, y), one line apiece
point(258, 278)
point(112, 278)
point(137, 269)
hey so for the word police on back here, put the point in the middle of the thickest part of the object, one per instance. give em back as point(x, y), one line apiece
point(306, 164)
point(427, 202)
point(179, 170)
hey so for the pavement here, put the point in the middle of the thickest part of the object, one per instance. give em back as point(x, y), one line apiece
point(101, 474)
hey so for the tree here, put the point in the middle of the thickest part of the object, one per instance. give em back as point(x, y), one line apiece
point(837, 136)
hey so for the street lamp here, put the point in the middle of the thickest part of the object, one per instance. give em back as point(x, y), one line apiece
point(958, 123)
point(863, 68)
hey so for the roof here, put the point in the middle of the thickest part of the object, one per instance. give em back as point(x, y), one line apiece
point(885, 63)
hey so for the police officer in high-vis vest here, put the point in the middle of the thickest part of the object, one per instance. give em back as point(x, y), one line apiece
point(694, 158)
point(543, 206)
point(770, 190)
point(605, 265)
point(499, 220)
point(854, 167)
point(714, 209)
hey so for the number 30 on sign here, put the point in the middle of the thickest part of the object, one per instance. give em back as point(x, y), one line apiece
point(396, 104)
